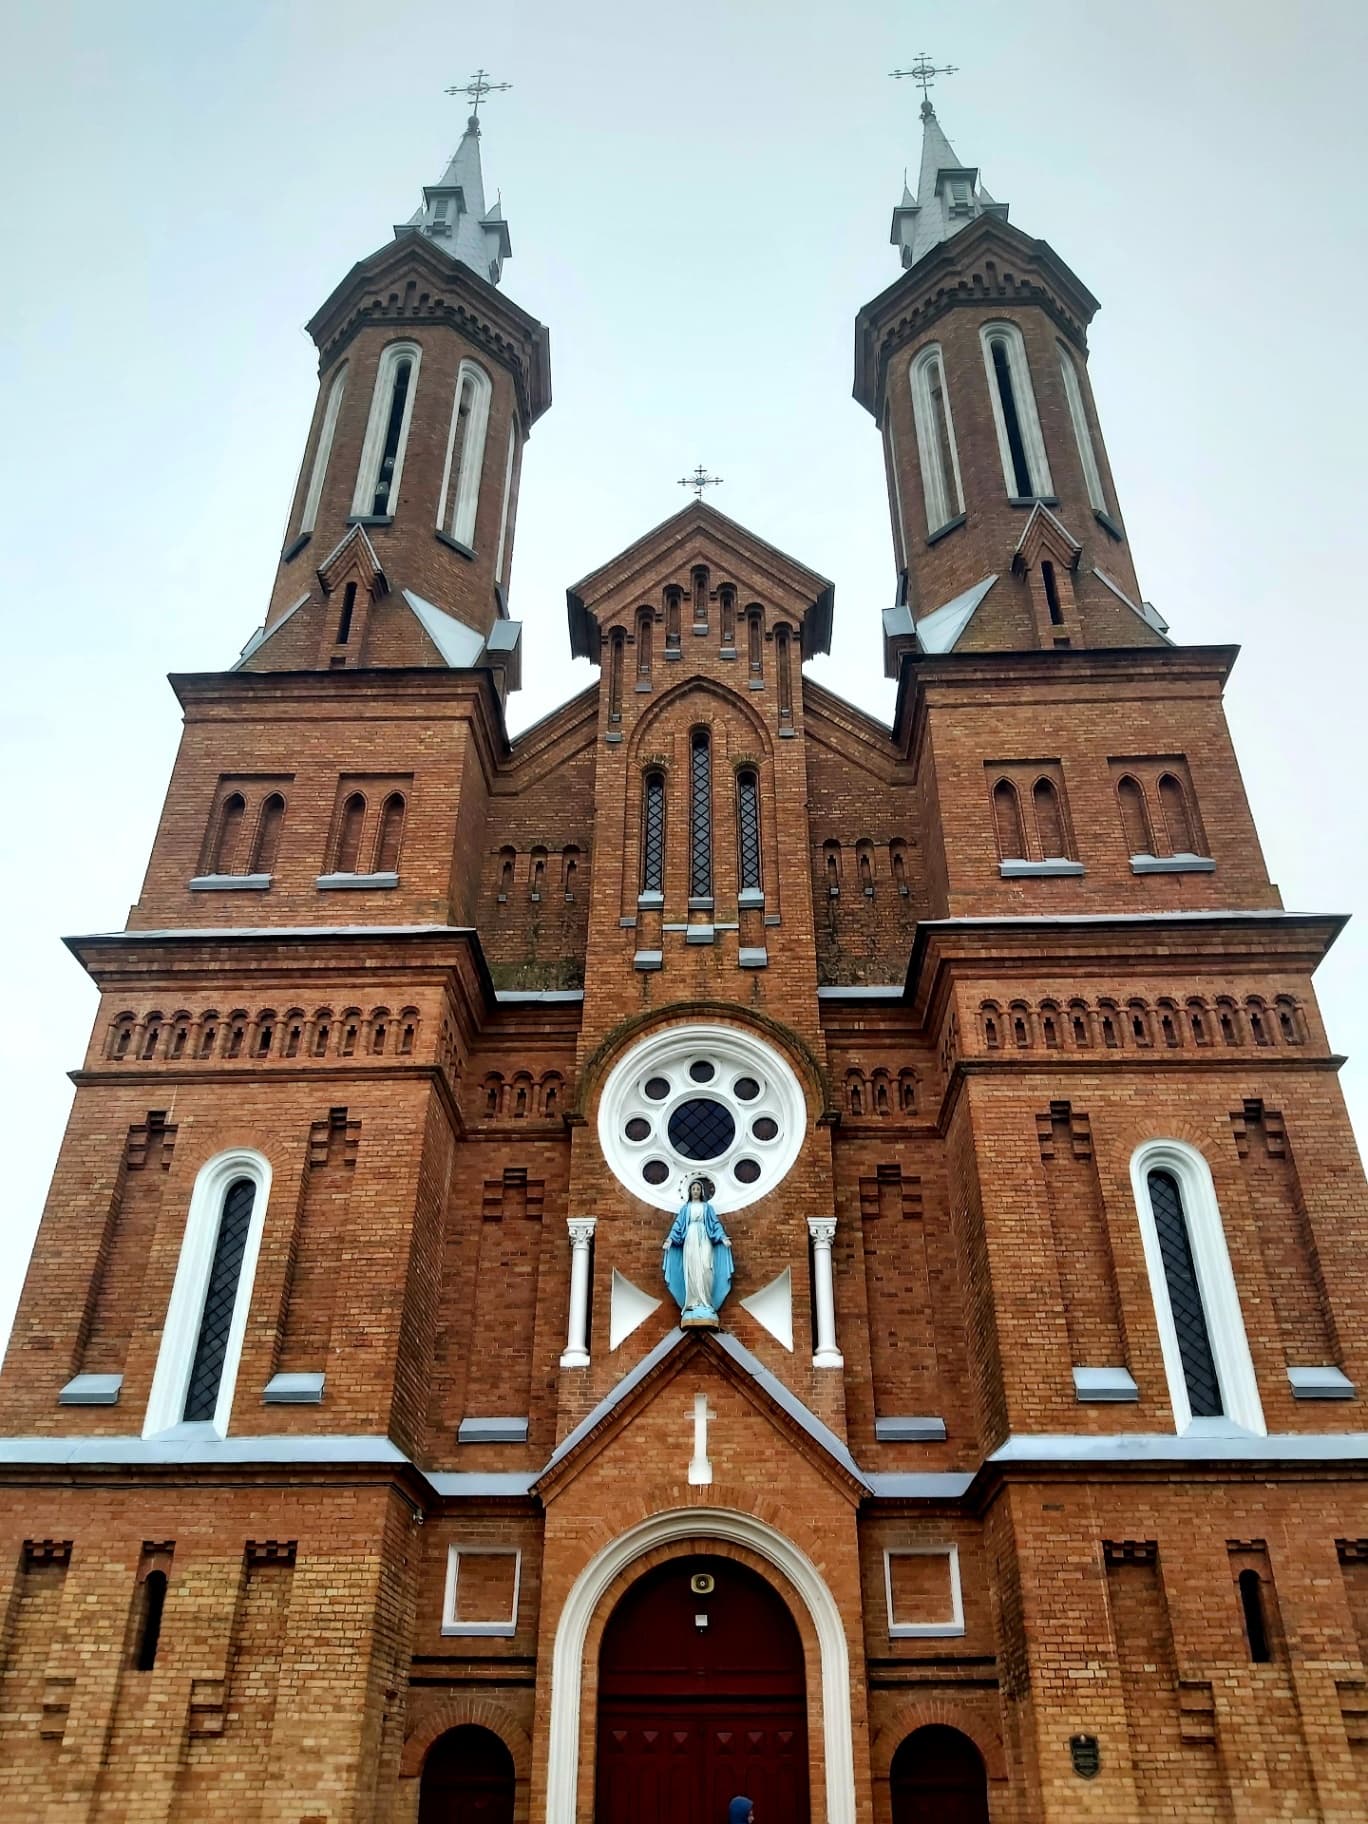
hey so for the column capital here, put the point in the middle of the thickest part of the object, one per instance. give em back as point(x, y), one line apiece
point(822, 1229)
point(581, 1230)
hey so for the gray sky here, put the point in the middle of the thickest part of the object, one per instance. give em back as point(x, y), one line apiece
point(699, 199)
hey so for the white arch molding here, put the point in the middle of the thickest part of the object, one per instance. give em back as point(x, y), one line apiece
point(567, 1660)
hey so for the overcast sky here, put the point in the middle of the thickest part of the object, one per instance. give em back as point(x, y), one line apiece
point(699, 198)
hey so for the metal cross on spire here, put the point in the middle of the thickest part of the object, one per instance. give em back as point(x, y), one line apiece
point(924, 73)
point(477, 88)
point(699, 480)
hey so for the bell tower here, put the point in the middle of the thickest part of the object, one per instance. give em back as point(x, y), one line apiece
point(1007, 530)
point(399, 544)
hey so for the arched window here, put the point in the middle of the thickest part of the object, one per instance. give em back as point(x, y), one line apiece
point(700, 815)
point(1177, 817)
point(831, 861)
point(699, 579)
point(510, 501)
point(507, 857)
point(537, 873)
point(936, 449)
point(1049, 816)
point(1011, 833)
point(267, 843)
point(674, 607)
point(617, 646)
point(1197, 1307)
point(465, 453)
point(653, 834)
point(748, 828)
point(569, 871)
point(1078, 417)
point(726, 603)
point(783, 666)
point(755, 641)
point(308, 517)
point(223, 858)
point(1135, 823)
point(1050, 584)
point(152, 1603)
point(349, 835)
point(391, 834)
point(1255, 1621)
point(382, 452)
point(207, 1314)
point(1025, 468)
point(645, 629)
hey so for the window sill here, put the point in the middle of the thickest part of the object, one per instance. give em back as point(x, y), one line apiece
point(701, 902)
point(1108, 524)
point(930, 1630)
point(1320, 1384)
point(700, 934)
point(1033, 500)
point(753, 956)
point(910, 1431)
point(453, 544)
point(650, 897)
point(230, 883)
point(486, 1630)
point(1172, 864)
point(492, 1431)
point(294, 1390)
point(951, 525)
point(295, 546)
point(750, 897)
point(370, 519)
point(1097, 1384)
point(648, 960)
point(1041, 870)
point(91, 1390)
point(330, 882)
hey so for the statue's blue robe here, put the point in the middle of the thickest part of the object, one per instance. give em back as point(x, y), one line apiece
point(723, 1265)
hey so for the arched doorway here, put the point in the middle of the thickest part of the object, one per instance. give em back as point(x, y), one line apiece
point(467, 1779)
point(938, 1777)
point(702, 1695)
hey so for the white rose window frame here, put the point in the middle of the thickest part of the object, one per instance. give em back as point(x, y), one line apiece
point(705, 1102)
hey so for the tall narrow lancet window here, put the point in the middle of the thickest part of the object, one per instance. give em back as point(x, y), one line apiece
point(348, 858)
point(228, 836)
point(645, 632)
point(700, 816)
point(1135, 822)
point(617, 647)
point(220, 1300)
point(748, 828)
point(1173, 803)
point(653, 834)
point(755, 641)
point(344, 619)
point(308, 517)
point(726, 603)
point(674, 603)
point(1011, 832)
point(465, 453)
point(510, 502)
point(391, 834)
point(1185, 1297)
point(1078, 417)
point(936, 449)
point(267, 843)
point(1025, 468)
point(1049, 816)
point(382, 453)
point(783, 667)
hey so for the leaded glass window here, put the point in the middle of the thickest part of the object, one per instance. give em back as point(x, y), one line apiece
point(220, 1300)
point(1185, 1297)
point(748, 827)
point(700, 817)
point(653, 836)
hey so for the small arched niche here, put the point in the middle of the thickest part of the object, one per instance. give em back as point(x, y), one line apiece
point(468, 1774)
point(938, 1774)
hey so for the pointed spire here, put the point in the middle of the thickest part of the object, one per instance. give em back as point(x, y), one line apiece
point(453, 213)
point(949, 196)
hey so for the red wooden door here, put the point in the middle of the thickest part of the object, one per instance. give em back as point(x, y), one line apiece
point(467, 1779)
point(938, 1777)
point(689, 1715)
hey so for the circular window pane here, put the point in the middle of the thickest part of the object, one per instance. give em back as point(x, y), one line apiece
point(747, 1170)
point(746, 1088)
point(655, 1171)
point(701, 1128)
point(764, 1127)
point(701, 1071)
point(657, 1088)
point(639, 1128)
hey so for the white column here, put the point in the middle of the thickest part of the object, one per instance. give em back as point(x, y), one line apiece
point(822, 1229)
point(576, 1351)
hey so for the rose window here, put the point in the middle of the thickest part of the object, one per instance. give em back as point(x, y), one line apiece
point(705, 1102)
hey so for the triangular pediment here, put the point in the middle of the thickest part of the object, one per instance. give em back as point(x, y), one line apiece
point(715, 1355)
point(699, 534)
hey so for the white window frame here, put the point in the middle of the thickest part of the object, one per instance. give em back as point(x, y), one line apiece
point(1082, 430)
point(1215, 1283)
point(925, 1630)
point(462, 491)
point(509, 460)
point(500, 1629)
point(373, 446)
point(941, 505)
point(1028, 419)
point(895, 489)
point(185, 1309)
point(308, 518)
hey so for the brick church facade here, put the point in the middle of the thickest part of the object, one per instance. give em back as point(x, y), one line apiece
point(356, 1459)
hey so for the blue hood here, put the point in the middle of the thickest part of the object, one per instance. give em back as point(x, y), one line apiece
point(738, 1811)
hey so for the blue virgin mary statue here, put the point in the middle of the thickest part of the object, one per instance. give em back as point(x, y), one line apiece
point(698, 1261)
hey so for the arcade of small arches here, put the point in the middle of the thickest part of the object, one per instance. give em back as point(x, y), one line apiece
point(1137, 1024)
point(183, 1037)
point(708, 611)
point(881, 1092)
point(540, 872)
point(522, 1096)
point(244, 838)
point(862, 863)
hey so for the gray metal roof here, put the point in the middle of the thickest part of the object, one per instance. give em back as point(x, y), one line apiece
point(949, 196)
point(453, 216)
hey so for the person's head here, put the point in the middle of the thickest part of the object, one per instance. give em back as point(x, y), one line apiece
point(696, 1191)
point(740, 1811)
